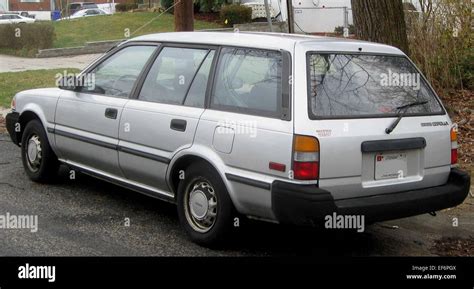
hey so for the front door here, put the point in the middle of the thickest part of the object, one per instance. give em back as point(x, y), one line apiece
point(87, 120)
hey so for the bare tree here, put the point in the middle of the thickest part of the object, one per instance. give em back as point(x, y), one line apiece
point(380, 21)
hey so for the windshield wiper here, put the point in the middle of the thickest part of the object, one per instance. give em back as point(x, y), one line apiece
point(402, 110)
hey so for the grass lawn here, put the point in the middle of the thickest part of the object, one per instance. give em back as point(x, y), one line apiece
point(13, 82)
point(19, 52)
point(76, 32)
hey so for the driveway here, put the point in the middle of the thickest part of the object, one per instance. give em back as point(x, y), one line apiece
point(86, 217)
point(13, 63)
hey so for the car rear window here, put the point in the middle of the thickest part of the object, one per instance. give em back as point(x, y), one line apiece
point(361, 85)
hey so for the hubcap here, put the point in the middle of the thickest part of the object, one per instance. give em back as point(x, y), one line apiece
point(33, 153)
point(201, 206)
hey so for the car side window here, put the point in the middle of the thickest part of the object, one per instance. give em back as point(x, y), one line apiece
point(197, 92)
point(248, 81)
point(116, 75)
point(171, 74)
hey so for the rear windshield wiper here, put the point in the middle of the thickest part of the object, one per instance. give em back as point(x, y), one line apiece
point(402, 110)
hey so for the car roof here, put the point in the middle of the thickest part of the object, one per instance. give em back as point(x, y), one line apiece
point(267, 40)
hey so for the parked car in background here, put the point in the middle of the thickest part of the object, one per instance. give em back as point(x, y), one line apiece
point(76, 6)
point(87, 13)
point(14, 19)
point(24, 14)
point(107, 7)
point(283, 128)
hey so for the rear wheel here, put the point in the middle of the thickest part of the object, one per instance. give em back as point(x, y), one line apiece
point(39, 160)
point(204, 207)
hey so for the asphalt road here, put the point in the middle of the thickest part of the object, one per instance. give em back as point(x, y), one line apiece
point(86, 217)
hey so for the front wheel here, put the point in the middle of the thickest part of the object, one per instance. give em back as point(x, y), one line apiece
point(205, 209)
point(39, 160)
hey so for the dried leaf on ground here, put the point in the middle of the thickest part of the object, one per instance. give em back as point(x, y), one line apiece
point(454, 247)
point(460, 106)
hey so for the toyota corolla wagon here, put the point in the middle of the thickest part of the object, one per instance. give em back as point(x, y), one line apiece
point(282, 128)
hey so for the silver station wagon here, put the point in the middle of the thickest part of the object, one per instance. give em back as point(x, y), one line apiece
point(283, 128)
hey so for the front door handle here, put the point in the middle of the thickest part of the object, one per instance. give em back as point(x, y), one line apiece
point(111, 113)
point(178, 124)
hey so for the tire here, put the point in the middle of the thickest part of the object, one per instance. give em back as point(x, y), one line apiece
point(202, 181)
point(40, 166)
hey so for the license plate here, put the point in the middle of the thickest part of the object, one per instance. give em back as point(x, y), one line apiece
point(390, 166)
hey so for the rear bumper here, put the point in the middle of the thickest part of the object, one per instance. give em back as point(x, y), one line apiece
point(308, 205)
point(11, 120)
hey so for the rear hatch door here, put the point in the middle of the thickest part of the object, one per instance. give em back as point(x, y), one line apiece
point(352, 100)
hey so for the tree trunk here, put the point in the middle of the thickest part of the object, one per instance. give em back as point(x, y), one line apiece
point(183, 15)
point(380, 21)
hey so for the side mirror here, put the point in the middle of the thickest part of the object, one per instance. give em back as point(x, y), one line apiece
point(69, 83)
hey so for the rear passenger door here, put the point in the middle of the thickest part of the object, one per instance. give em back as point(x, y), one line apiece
point(163, 117)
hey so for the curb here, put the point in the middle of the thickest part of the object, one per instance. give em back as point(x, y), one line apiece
point(89, 48)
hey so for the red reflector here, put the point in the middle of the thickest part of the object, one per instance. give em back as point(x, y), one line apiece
point(305, 170)
point(277, 167)
point(454, 156)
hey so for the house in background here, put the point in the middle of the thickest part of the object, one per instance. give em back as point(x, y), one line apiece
point(3, 6)
point(42, 9)
point(318, 16)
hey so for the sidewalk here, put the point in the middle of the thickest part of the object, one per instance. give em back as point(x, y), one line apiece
point(13, 63)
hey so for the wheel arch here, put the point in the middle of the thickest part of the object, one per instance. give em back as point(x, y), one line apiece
point(25, 117)
point(197, 154)
point(32, 112)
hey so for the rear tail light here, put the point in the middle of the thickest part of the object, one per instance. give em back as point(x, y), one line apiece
point(454, 156)
point(454, 145)
point(306, 158)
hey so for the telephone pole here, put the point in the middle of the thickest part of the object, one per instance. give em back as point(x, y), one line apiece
point(183, 15)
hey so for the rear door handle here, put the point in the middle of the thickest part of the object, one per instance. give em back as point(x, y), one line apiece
point(178, 124)
point(111, 113)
